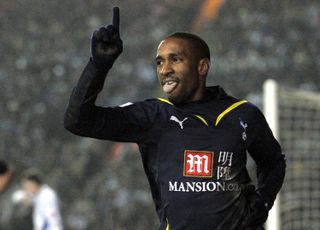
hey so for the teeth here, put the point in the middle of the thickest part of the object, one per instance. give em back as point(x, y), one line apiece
point(169, 82)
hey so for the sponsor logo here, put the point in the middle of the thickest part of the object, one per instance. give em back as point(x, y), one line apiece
point(175, 119)
point(202, 186)
point(224, 165)
point(198, 163)
point(225, 158)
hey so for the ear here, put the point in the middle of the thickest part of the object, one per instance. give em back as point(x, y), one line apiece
point(204, 66)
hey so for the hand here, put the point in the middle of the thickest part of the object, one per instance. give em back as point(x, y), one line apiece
point(106, 44)
point(258, 215)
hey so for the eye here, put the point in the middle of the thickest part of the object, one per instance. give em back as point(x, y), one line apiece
point(176, 59)
point(159, 62)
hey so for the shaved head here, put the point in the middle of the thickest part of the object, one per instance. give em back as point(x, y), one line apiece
point(197, 44)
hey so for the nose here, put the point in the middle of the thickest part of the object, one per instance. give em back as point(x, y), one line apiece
point(166, 69)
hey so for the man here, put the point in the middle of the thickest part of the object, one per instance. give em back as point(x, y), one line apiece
point(11, 216)
point(46, 214)
point(193, 145)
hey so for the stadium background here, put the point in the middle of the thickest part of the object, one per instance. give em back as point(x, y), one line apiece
point(45, 44)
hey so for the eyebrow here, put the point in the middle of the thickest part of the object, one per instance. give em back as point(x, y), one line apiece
point(170, 55)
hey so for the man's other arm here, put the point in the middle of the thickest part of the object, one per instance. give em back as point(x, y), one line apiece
point(266, 152)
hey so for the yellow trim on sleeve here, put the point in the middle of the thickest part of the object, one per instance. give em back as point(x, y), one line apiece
point(165, 100)
point(228, 110)
point(202, 119)
point(167, 228)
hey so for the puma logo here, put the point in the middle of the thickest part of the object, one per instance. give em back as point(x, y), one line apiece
point(244, 126)
point(174, 118)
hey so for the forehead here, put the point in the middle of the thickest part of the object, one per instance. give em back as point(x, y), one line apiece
point(174, 46)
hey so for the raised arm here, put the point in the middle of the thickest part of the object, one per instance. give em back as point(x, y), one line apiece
point(82, 117)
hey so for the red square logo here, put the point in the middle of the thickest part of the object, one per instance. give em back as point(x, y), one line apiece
point(198, 163)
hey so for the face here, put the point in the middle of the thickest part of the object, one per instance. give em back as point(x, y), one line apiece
point(5, 179)
point(30, 186)
point(178, 71)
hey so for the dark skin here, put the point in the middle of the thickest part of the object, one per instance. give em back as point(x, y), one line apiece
point(178, 66)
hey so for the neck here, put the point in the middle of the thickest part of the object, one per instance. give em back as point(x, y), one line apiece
point(199, 94)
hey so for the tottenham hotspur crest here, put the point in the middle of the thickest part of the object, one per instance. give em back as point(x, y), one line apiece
point(244, 125)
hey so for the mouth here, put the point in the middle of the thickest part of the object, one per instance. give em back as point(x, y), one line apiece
point(168, 86)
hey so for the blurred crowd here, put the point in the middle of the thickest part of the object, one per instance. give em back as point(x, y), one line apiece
point(45, 44)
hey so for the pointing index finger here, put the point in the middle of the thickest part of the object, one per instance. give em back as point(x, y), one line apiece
point(116, 18)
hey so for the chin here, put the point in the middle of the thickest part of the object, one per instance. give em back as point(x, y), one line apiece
point(176, 100)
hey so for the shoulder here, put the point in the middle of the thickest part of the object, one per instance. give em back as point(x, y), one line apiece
point(145, 112)
point(235, 109)
point(250, 111)
point(148, 105)
point(47, 193)
point(254, 111)
point(250, 107)
point(253, 116)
